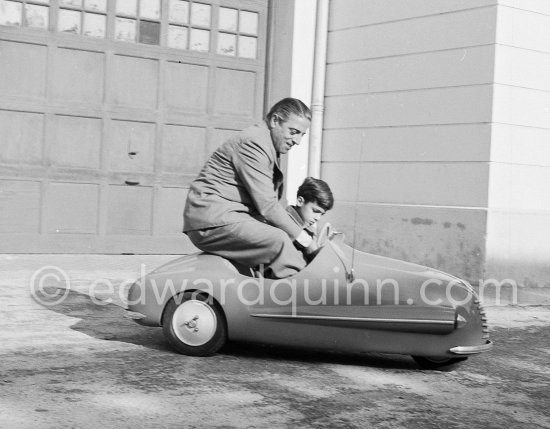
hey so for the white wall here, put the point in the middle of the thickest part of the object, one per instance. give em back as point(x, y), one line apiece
point(409, 100)
point(437, 133)
point(519, 200)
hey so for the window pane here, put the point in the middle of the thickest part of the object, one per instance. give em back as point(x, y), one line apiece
point(177, 37)
point(149, 32)
point(179, 12)
point(228, 19)
point(10, 13)
point(99, 5)
point(200, 40)
point(227, 44)
point(37, 16)
point(126, 7)
point(247, 47)
point(149, 9)
point(69, 21)
point(125, 29)
point(77, 3)
point(200, 14)
point(248, 22)
point(94, 25)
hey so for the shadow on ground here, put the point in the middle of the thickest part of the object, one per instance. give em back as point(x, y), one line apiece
point(102, 320)
point(106, 321)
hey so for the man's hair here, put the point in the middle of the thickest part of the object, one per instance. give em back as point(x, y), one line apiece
point(289, 106)
point(316, 191)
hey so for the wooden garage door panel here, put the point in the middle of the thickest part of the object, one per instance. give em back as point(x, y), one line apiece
point(72, 208)
point(21, 137)
point(101, 134)
point(75, 141)
point(183, 149)
point(186, 86)
point(134, 82)
point(131, 146)
point(23, 70)
point(20, 203)
point(129, 210)
point(235, 92)
point(169, 211)
point(78, 76)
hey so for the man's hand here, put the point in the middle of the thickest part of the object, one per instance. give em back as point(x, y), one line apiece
point(304, 239)
point(307, 244)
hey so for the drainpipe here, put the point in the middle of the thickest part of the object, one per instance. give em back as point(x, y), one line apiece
point(318, 92)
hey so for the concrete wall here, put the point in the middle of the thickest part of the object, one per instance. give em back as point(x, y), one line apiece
point(407, 140)
point(519, 217)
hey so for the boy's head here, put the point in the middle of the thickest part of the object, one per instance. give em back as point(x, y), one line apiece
point(314, 200)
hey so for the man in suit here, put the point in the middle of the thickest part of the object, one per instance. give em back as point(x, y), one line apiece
point(233, 208)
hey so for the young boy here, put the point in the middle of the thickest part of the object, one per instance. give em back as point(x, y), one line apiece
point(314, 199)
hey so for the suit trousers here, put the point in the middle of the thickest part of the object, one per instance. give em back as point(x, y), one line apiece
point(252, 243)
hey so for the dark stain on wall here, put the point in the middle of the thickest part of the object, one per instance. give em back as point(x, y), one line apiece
point(444, 243)
point(420, 221)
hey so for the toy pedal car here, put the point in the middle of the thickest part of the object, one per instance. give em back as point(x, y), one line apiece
point(344, 300)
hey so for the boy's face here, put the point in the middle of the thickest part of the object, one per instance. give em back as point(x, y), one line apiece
point(310, 212)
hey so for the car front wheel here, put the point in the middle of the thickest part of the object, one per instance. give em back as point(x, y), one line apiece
point(194, 324)
point(428, 362)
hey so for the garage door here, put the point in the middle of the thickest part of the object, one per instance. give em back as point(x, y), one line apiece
point(108, 109)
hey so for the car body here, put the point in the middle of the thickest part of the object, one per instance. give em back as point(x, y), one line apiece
point(344, 300)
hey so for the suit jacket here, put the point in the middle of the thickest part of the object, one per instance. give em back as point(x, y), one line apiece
point(241, 181)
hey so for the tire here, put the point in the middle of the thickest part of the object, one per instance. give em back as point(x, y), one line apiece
point(427, 362)
point(194, 324)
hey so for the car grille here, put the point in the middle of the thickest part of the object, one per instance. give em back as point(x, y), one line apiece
point(483, 316)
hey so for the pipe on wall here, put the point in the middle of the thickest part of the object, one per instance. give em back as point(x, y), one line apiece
point(318, 92)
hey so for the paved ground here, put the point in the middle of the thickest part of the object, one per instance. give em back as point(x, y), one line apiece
point(78, 364)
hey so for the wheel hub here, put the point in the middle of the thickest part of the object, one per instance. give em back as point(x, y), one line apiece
point(192, 324)
point(186, 324)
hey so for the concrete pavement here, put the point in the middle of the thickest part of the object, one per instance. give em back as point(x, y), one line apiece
point(81, 364)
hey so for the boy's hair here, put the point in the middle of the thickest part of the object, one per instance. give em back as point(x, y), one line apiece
point(316, 191)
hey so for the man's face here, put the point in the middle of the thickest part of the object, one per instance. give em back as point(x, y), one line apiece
point(310, 212)
point(286, 134)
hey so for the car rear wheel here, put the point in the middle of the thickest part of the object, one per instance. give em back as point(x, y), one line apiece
point(194, 324)
point(430, 362)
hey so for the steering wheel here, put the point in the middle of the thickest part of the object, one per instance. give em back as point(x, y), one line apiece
point(324, 235)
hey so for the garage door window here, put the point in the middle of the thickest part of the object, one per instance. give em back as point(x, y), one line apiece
point(88, 19)
point(238, 33)
point(189, 25)
point(138, 21)
point(33, 14)
point(181, 24)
